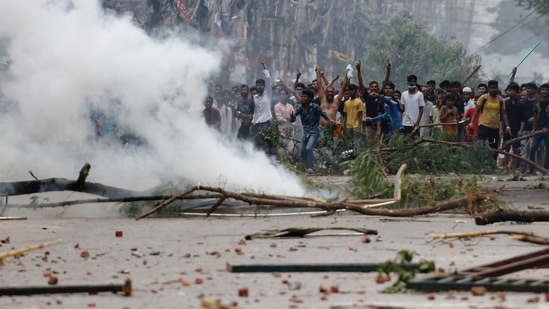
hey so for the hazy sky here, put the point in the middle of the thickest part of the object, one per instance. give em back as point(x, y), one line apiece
point(484, 32)
point(65, 56)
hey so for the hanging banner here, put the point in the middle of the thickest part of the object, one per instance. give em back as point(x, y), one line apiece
point(184, 10)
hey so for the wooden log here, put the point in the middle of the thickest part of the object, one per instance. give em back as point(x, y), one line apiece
point(512, 215)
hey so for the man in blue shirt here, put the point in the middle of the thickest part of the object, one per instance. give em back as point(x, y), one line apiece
point(392, 113)
point(310, 118)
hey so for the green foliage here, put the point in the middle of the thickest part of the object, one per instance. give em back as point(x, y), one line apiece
point(421, 191)
point(404, 257)
point(368, 177)
point(426, 157)
point(541, 6)
point(412, 50)
point(517, 177)
point(269, 140)
point(134, 209)
point(422, 158)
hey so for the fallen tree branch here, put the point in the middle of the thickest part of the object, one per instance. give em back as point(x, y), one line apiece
point(477, 234)
point(120, 195)
point(516, 139)
point(469, 201)
point(285, 201)
point(301, 232)
point(532, 163)
point(515, 235)
point(215, 206)
point(512, 215)
point(62, 184)
point(113, 200)
point(458, 144)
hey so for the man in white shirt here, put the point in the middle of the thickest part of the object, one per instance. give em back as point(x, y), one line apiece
point(413, 103)
point(468, 103)
point(262, 100)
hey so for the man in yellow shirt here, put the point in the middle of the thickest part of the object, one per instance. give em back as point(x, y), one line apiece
point(353, 110)
point(491, 109)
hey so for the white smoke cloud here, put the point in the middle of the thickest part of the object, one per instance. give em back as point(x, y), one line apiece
point(65, 55)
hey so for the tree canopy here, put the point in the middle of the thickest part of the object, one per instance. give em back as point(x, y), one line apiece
point(541, 6)
point(412, 50)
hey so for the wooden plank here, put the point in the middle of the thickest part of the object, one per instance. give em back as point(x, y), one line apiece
point(492, 284)
point(329, 267)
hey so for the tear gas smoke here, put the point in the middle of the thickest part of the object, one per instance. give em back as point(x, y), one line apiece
point(69, 59)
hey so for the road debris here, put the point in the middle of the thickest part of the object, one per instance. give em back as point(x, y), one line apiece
point(125, 288)
point(20, 251)
point(301, 232)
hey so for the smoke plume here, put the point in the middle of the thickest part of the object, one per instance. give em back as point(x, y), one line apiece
point(70, 59)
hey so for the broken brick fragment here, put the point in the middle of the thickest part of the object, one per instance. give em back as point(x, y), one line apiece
point(478, 291)
point(243, 292)
point(52, 280)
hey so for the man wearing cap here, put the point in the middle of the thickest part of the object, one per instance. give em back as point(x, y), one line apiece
point(468, 103)
point(469, 128)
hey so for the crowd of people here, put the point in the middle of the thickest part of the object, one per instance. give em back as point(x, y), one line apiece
point(370, 114)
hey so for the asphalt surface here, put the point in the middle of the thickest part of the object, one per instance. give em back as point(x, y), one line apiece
point(181, 262)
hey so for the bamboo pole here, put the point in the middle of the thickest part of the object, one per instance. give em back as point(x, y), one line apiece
point(29, 248)
point(524, 58)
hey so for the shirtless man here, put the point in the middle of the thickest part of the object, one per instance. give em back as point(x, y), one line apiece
point(328, 102)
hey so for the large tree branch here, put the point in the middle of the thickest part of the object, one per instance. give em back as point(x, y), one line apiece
point(62, 184)
point(470, 201)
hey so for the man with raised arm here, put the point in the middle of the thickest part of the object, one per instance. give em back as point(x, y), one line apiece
point(373, 104)
point(328, 102)
point(310, 117)
point(261, 119)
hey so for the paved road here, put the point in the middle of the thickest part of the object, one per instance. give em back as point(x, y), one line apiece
point(174, 263)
